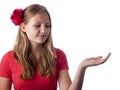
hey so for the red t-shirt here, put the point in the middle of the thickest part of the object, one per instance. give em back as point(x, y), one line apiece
point(10, 68)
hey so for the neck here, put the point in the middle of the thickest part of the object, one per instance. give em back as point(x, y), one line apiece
point(36, 49)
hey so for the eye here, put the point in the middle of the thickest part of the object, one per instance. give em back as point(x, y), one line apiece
point(39, 25)
point(47, 25)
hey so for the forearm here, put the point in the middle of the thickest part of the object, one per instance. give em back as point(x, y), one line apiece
point(78, 79)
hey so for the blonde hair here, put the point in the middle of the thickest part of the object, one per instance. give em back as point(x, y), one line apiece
point(47, 63)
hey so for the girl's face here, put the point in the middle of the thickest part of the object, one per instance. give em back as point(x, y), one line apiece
point(38, 28)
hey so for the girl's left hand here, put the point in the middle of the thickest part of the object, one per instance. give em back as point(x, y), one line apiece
point(94, 61)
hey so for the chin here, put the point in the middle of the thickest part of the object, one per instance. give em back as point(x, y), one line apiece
point(41, 42)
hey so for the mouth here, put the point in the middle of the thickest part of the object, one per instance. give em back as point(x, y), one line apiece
point(42, 36)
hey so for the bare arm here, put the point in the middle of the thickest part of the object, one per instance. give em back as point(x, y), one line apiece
point(79, 77)
point(5, 83)
point(64, 78)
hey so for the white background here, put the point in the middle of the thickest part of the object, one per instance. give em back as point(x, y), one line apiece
point(81, 28)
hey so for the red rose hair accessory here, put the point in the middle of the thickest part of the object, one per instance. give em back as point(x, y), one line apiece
point(17, 16)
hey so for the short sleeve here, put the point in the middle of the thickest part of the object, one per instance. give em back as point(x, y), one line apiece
point(4, 67)
point(61, 60)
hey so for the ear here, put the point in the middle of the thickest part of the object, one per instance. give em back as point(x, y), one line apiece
point(23, 26)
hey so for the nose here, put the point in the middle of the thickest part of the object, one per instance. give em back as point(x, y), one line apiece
point(43, 29)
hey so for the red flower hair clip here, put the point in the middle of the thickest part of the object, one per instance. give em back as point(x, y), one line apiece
point(16, 16)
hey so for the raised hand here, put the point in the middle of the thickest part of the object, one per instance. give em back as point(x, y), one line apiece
point(94, 61)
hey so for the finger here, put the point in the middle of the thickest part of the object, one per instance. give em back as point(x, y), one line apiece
point(98, 57)
point(107, 56)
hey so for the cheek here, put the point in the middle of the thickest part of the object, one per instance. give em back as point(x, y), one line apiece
point(30, 34)
point(48, 32)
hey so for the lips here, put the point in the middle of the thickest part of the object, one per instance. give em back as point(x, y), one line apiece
point(42, 35)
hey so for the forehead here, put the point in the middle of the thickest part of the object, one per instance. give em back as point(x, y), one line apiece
point(41, 17)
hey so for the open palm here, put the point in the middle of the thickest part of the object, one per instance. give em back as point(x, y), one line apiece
point(94, 61)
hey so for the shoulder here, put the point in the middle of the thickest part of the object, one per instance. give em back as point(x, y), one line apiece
point(11, 52)
point(6, 64)
point(61, 59)
point(8, 56)
point(60, 52)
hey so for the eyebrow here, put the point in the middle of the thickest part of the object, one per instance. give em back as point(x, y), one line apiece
point(43, 22)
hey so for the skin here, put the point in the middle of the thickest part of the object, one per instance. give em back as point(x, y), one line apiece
point(79, 77)
point(37, 30)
